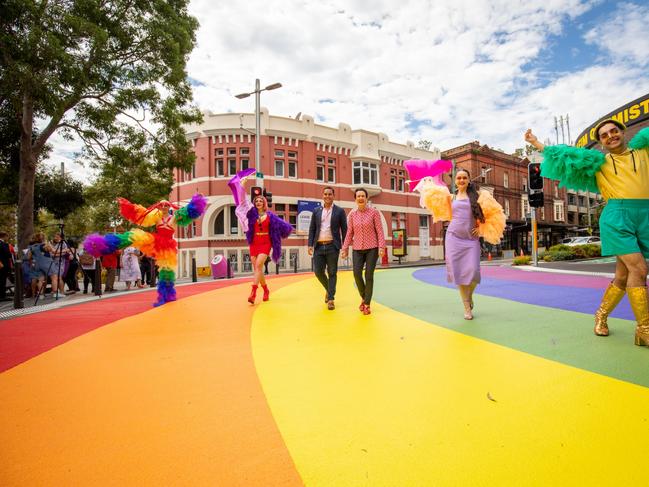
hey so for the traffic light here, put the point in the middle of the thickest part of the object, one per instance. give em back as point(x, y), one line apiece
point(259, 191)
point(256, 191)
point(534, 173)
point(269, 197)
point(536, 199)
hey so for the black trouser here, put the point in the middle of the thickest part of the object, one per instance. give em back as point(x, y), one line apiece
point(147, 274)
point(365, 258)
point(88, 278)
point(71, 276)
point(326, 256)
point(4, 273)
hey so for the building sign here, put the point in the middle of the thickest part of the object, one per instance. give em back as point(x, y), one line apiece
point(630, 114)
point(399, 243)
point(305, 211)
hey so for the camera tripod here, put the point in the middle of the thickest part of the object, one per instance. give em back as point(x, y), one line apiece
point(58, 254)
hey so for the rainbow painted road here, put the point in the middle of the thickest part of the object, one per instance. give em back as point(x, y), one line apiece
point(211, 391)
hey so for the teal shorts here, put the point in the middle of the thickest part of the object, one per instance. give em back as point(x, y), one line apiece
point(624, 227)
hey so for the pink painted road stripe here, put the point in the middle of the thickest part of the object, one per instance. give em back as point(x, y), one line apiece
point(538, 277)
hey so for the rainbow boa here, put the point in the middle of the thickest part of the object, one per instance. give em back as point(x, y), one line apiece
point(161, 244)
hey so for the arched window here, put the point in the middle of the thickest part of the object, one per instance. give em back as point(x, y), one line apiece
point(219, 223)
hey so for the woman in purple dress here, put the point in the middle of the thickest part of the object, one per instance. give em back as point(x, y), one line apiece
point(462, 245)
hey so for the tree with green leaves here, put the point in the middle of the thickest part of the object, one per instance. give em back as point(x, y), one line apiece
point(424, 144)
point(103, 72)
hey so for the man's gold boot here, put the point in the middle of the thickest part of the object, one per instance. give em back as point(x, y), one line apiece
point(612, 297)
point(640, 306)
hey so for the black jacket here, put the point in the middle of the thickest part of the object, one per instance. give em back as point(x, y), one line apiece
point(338, 226)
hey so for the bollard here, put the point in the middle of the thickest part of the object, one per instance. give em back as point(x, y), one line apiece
point(18, 285)
point(229, 270)
point(97, 284)
point(276, 267)
point(295, 265)
point(194, 276)
point(266, 266)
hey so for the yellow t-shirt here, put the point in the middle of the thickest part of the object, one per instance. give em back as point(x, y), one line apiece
point(617, 178)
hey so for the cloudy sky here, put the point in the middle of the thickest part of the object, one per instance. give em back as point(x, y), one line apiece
point(449, 71)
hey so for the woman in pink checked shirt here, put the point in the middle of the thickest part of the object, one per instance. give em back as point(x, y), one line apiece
point(365, 230)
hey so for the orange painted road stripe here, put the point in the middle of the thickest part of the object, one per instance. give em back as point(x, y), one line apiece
point(168, 397)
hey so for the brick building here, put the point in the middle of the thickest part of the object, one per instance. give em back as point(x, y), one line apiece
point(298, 159)
point(505, 176)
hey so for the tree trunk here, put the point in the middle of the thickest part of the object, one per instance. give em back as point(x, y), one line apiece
point(26, 175)
point(26, 179)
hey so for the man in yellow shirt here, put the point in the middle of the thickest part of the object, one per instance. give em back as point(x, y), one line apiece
point(622, 177)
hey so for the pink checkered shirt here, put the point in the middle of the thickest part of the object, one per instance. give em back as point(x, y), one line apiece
point(364, 229)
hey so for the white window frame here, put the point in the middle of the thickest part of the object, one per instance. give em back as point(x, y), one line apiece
point(506, 180)
point(280, 161)
point(559, 213)
point(525, 206)
point(366, 169)
point(330, 171)
point(294, 164)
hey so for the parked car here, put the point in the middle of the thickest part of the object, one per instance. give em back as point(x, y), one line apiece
point(566, 241)
point(584, 241)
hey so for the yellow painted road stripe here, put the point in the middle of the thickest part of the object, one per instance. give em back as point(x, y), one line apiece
point(389, 400)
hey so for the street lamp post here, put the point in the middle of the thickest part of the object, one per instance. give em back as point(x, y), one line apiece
point(259, 181)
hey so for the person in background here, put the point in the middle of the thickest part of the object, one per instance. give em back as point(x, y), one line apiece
point(60, 257)
point(88, 266)
point(40, 258)
point(6, 263)
point(71, 277)
point(131, 268)
point(109, 262)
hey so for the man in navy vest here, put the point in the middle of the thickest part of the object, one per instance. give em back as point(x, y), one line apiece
point(326, 235)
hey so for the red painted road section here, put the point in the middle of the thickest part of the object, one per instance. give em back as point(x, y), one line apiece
point(28, 336)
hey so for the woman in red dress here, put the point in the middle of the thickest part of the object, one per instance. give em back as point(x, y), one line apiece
point(264, 230)
point(260, 247)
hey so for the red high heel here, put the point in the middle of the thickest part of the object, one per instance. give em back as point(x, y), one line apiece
point(362, 306)
point(367, 310)
point(266, 292)
point(253, 294)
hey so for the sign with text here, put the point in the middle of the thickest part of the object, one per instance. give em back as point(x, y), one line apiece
point(399, 242)
point(630, 114)
point(305, 211)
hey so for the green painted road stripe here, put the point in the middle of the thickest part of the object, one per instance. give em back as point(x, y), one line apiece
point(562, 336)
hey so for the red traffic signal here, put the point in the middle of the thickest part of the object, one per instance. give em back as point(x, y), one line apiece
point(256, 191)
point(534, 174)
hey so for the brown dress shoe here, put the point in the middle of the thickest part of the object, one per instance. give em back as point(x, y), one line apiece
point(330, 305)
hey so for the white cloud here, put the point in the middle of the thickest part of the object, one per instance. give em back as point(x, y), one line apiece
point(625, 35)
point(463, 65)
